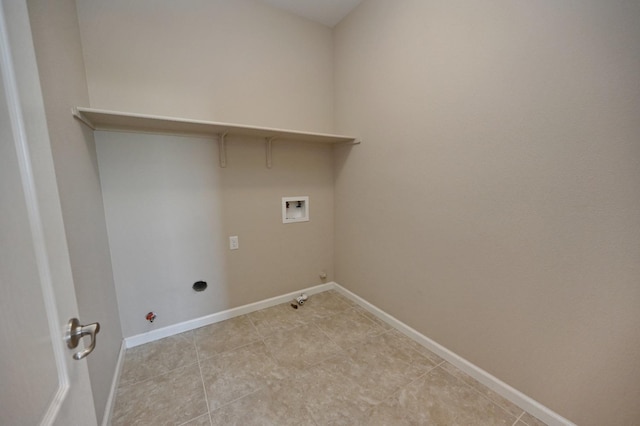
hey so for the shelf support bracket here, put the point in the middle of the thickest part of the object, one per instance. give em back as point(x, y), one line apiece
point(268, 149)
point(222, 148)
point(77, 114)
point(349, 143)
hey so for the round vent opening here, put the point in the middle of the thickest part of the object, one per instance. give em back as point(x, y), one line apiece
point(200, 286)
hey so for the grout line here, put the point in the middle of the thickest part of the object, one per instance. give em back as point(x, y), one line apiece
point(174, 369)
point(160, 373)
point(189, 421)
point(237, 399)
point(414, 349)
point(189, 325)
point(235, 347)
point(340, 352)
point(262, 339)
point(519, 399)
point(253, 324)
point(415, 379)
point(204, 388)
point(356, 343)
point(269, 354)
point(374, 326)
point(312, 321)
point(126, 385)
point(273, 358)
point(305, 322)
point(519, 418)
point(479, 392)
point(229, 350)
point(327, 336)
point(400, 388)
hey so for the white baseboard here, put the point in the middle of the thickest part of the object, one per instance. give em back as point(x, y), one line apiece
point(161, 333)
point(108, 409)
point(521, 400)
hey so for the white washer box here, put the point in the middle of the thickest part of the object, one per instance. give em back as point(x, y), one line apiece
point(295, 209)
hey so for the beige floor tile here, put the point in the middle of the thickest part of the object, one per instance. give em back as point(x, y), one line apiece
point(348, 328)
point(381, 365)
point(330, 362)
point(331, 396)
point(272, 405)
point(277, 318)
point(410, 343)
point(388, 413)
point(439, 398)
point(224, 336)
point(530, 420)
point(323, 305)
point(159, 357)
point(301, 347)
point(394, 346)
point(493, 396)
point(339, 296)
point(168, 399)
point(237, 373)
point(362, 311)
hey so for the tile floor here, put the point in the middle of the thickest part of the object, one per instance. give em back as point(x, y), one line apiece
point(329, 362)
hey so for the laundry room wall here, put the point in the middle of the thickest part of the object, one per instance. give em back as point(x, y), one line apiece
point(499, 176)
point(170, 208)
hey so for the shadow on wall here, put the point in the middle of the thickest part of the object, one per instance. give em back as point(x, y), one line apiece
point(170, 210)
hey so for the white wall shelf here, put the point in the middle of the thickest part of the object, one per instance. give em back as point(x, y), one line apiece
point(98, 119)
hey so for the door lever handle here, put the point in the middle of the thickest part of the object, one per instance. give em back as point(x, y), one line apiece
point(75, 332)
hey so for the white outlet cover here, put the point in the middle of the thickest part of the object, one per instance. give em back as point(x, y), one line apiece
point(234, 243)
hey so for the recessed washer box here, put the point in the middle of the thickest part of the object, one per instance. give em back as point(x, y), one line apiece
point(295, 209)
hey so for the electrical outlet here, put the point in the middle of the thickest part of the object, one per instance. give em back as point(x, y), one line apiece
point(233, 243)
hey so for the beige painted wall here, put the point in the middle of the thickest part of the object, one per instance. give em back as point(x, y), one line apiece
point(170, 209)
point(235, 61)
point(495, 205)
point(57, 43)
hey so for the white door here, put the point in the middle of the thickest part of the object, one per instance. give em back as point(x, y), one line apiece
point(40, 382)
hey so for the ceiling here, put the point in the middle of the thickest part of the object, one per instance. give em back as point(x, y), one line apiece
point(326, 12)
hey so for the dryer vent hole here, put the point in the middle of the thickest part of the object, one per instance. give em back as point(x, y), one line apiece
point(199, 286)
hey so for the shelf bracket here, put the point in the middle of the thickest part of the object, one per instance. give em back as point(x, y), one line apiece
point(80, 116)
point(268, 149)
point(222, 148)
point(349, 143)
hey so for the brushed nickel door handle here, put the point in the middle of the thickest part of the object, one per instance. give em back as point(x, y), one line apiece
point(75, 332)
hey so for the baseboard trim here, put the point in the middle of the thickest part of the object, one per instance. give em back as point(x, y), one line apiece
point(521, 400)
point(108, 409)
point(161, 333)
